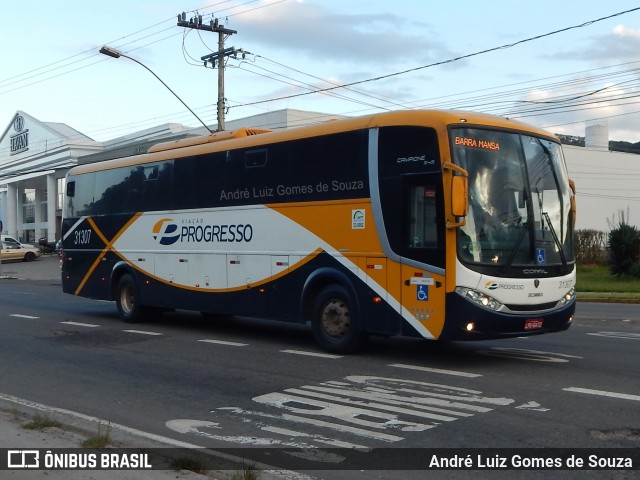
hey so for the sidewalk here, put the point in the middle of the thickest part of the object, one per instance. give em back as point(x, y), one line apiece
point(71, 433)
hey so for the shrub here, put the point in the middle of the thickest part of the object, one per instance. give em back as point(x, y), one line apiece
point(624, 248)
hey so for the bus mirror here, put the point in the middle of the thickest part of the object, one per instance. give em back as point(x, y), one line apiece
point(572, 186)
point(459, 194)
point(71, 189)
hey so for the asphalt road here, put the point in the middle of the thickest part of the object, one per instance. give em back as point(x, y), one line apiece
point(47, 268)
point(241, 383)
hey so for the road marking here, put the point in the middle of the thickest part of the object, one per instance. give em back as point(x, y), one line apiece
point(343, 428)
point(524, 354)
point(379, 409)
point(318, 438)
point(435, 370)
point(284, 431)
point(79, 324)
point(390, 406)
point(142, 332)
point(602, 393)
point(311, 354)
point(394, 400)
point(532, 406)
point(626, 335)
point(19, 315)
point(183, 425)
point(223, 342)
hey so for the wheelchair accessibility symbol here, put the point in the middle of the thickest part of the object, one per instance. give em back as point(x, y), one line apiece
point(422, 293)
point(541, 256)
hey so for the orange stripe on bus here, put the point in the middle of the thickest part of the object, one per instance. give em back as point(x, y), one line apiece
point(107, 247)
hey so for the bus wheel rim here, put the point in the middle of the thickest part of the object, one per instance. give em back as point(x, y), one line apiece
point(127, 299)
point(336, 318)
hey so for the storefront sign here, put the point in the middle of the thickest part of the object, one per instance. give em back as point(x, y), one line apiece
point(20, 140)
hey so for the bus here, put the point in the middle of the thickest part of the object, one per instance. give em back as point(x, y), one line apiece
point(437, 224)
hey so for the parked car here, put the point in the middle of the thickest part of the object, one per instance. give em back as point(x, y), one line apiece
point(17, 251)
point(7, 238)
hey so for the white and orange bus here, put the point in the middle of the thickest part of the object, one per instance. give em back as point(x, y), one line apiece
point(436, 224)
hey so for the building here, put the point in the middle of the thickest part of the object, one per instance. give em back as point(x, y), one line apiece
point(35, 157)
point(606, 181)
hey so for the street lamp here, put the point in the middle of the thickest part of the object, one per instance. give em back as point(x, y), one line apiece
point(112, 52)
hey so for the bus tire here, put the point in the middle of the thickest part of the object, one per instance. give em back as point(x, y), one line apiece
point(335, 323)
point(128, 300)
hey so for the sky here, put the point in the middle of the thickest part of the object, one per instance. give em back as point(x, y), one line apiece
point(560, 65)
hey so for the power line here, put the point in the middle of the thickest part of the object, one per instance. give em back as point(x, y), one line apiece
point(336, 86)
point(444, 62)
point(594, 119)
point(358, 92)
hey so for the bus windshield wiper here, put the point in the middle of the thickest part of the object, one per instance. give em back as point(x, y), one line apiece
point(524, 228)
point(556, 240)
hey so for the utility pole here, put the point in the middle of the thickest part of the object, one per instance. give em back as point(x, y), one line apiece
point(216, 58)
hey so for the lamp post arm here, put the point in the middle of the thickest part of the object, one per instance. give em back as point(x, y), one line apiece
point(115, 53)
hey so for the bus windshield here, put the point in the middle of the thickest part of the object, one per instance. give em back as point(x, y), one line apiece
point(519, 201)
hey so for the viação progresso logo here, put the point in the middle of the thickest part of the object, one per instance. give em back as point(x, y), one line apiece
point(167, 232)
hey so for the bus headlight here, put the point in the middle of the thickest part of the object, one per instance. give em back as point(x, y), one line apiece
point(479, 298)
point(570, 295)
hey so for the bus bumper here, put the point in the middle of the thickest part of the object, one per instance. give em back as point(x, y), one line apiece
point(468, 321)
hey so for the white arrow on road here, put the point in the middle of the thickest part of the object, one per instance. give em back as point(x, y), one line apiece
point(184, 425)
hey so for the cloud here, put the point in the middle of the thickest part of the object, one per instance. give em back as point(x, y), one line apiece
point(621, 44)
point(323, 35)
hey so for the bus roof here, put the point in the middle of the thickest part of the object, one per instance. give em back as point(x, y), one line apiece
point(248, 137)
point(213, 137)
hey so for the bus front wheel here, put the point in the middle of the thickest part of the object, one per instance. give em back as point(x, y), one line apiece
point(128, 300)
point(335, 325)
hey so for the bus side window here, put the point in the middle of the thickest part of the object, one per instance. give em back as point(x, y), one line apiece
point(151, 173)
point(71, 189)
point(422, 211)
point(255, 158)
point(149, 187)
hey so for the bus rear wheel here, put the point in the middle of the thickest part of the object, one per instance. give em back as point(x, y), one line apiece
point(128, 300)
point(335, 325)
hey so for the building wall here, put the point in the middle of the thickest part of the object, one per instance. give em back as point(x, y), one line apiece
point(606, 184)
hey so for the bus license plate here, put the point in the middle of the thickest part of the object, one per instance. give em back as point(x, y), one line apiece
point(533, 324)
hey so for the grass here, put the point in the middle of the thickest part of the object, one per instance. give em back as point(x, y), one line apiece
point(248, 473)
point(101, 440)
point(40, 422)
point(187, 463)
point(596, 282)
